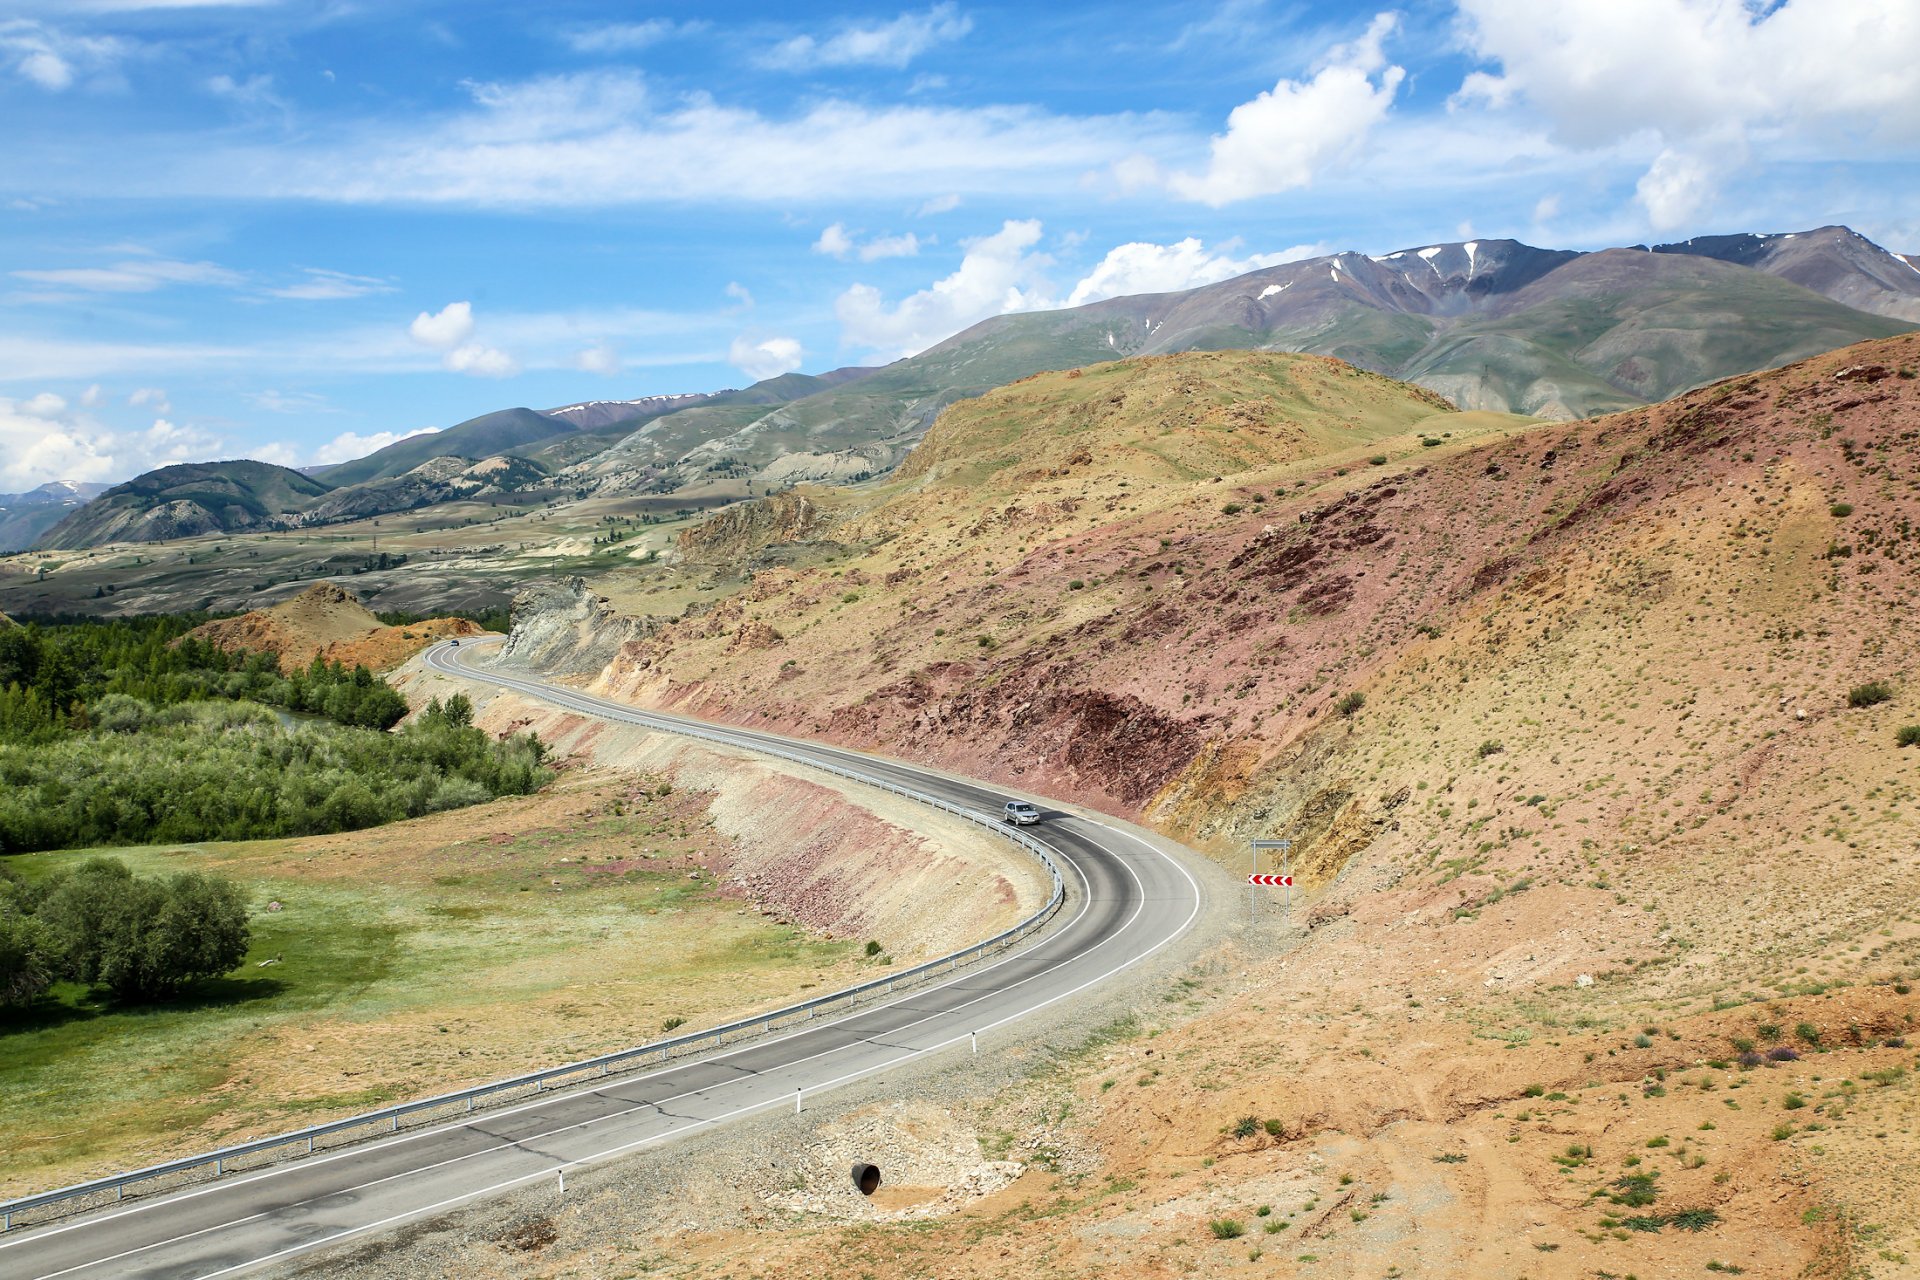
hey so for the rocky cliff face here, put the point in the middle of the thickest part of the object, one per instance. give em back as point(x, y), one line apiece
point(561, 628)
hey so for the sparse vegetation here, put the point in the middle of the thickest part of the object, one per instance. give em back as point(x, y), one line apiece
point(1227, 1228)
point(1870, 694)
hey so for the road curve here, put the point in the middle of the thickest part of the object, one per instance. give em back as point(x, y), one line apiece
point(1132, 901)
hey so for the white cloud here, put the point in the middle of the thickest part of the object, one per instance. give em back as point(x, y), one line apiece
point(834, 241)
point(740, 294)
point(887, 44)
point(624, 37)
point(1675, 189)
point(444, 329)
point(289, 401)
point(1165, 268)
point(997, 274)
point(135, 275)
point(481, 360)
point(601, 358)
point(1287, 136)
point(53, 59)
point(837, 242)
point(1702, 79)
point(93, 397)
point(349, 445)
point(150, 398)
point(940, 204)
point(322, 285)
point(44, 405)
point(278, 452)
point(253, 94)
point(596, 139)
point(764, 358)
point(39, 445)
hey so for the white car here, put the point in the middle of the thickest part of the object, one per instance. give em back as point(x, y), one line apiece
point(1020, 813)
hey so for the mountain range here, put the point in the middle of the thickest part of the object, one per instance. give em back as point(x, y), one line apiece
point(25, 516)
point(1490, 324)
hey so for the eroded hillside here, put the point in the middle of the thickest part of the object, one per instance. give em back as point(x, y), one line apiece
point(1589, 737)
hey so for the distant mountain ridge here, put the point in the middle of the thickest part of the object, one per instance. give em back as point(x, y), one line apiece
point(189, 498)
point(1491, 324)
point(25, 516)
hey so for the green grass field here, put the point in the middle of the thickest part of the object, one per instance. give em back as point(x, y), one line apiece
point(404, 960)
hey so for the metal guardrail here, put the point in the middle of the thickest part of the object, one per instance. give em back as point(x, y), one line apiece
point(264, 1151)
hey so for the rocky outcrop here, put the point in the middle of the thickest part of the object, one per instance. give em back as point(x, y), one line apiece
point(731, 536)
point(327, 621)
point(561, 628)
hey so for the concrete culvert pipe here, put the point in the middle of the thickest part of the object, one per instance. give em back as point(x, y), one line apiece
point(867, 1178)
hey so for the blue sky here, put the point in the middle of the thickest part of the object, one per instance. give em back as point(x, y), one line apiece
point(297, 231)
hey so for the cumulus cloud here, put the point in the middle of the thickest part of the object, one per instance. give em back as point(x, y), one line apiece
point(1143, 267)
point(349, 445)
point(998, 273)
point(444, 329)
point(40, 442)
point(886, 44)
point(449, 331)
point(600, 358)
point(481, 360)
point(1287, 136)
point(837, 242)
point(834, 241)
point(764, 357)
point(1718, 74)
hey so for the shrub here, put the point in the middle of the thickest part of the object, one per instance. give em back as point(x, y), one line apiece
point(1635, 1190)
point(873, 947)
point(1491, 747)
point(1246, 1126)
point(1232, 509)
point(1808, 1032)
point(144, 940)
point(1781, 1053)
point(1351, 703)
point(1870, 694)
point(1377, 460)
point(1840, 510)
point(1226, 1228)
point(1908, 735)
point(1076, 585)
point(672, 1024)
point(1275, 1128)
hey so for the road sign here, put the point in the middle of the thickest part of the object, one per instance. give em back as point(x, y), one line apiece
point(1277, 881)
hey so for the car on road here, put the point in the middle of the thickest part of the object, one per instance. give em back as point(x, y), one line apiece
point(456, 644)
point(1020, 813)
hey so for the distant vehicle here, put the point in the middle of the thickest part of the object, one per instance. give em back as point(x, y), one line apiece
point(456, 644)
point(1020, 813)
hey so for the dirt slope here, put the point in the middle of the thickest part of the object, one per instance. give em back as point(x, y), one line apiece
point(329, 621)
point(1610, 864)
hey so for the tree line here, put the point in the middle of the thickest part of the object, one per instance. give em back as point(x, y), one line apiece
point(113, 733)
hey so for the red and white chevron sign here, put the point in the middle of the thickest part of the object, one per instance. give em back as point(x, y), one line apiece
point(1277, 881)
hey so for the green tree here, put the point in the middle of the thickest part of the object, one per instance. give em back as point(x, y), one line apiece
point(29, 959)
point(144, 940)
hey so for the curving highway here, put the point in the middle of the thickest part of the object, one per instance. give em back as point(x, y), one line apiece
point(1130, 901)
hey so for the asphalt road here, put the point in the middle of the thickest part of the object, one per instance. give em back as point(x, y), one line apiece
point(1132, 900)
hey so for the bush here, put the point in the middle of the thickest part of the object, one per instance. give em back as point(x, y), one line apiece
point(1870, 694)
point(1351, 703)
point(1232, 509)
point(144, 940)
point(1840, 510)
point(1377, 460)
point(1908, 735)
point(1226, 1228)
point(1076, 585)
point(1246, 1126)
point(29, 957)
point(1490, 747)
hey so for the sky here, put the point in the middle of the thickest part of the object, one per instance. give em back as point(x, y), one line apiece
point(299, 231)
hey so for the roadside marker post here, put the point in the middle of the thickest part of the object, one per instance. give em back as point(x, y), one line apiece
point(1255, 879)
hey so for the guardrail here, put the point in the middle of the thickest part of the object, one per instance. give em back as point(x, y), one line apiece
point(303, 1142)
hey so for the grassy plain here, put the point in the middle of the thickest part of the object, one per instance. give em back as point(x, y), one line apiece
point(402, 961)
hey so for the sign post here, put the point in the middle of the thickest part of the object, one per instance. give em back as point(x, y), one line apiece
point(1255, 879)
